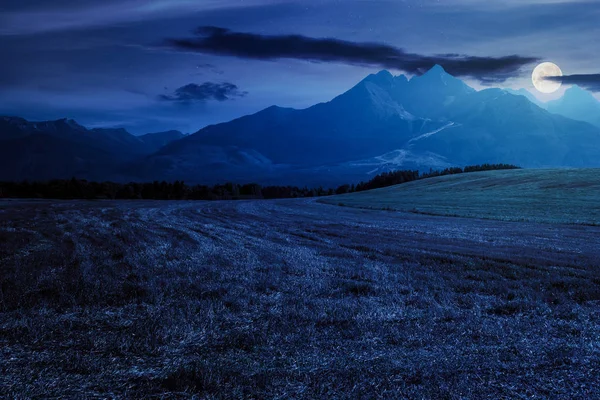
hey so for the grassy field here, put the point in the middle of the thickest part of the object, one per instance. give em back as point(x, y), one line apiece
point(292, 299)
point(544, 195)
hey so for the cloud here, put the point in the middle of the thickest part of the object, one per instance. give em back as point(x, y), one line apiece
point(589, 81)
point(206, 65)
point(221, 41)
point(192, 93)
point(209, 67)
point(26, 17)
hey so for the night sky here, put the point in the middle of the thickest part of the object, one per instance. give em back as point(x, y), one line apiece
point(181, 64)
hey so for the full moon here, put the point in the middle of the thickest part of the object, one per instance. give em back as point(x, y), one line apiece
point(541, 72)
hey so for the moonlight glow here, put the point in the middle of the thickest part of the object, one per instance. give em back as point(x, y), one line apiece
point(541, 72)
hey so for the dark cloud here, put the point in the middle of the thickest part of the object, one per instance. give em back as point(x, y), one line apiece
point(589, 82)
point(221, 41)
point(192, 92)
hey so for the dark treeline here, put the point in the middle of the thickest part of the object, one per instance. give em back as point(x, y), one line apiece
point(178, 190)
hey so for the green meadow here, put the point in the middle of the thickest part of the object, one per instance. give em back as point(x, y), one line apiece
point(535, 195)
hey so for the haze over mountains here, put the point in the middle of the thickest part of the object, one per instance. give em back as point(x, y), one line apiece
point(383, 123)
point(578, 104)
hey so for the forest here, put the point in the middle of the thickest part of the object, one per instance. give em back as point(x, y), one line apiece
point(82, 189)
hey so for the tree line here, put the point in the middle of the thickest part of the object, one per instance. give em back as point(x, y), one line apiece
point(178, 190)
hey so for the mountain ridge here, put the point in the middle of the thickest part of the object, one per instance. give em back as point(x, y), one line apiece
point(383, 122)
point(63, 148)
point(577, 103)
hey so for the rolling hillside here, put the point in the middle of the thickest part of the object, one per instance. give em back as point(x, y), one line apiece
point(542, 195)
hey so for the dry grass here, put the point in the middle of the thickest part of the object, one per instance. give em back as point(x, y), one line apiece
point(291, 299)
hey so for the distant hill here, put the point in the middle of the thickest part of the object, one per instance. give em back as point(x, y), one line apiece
point(540, 195)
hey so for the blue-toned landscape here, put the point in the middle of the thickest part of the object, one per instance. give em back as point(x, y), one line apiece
point(273, 199)
point(384, 123)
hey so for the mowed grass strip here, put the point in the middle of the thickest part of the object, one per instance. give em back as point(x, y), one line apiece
point(535, 195)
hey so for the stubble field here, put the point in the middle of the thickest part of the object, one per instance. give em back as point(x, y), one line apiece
point(292, 299)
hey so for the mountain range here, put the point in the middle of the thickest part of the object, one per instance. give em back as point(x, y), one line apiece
point(63, 148)
point(385, 122)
